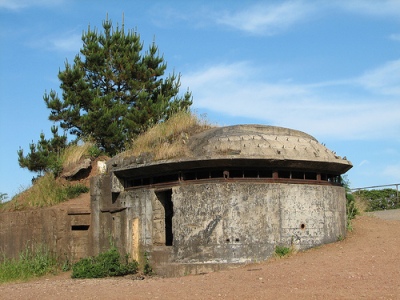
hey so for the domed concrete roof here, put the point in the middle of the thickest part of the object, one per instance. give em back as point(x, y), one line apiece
point(264, 142)
point(244, 146)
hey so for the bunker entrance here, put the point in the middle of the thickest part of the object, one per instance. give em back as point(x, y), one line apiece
point(165, 198)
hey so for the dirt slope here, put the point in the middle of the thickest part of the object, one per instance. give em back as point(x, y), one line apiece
point(366, 265)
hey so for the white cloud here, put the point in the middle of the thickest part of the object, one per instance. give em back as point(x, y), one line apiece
point(236, 90)
point(268, 19)
point(21, 4)
point(395, 37)
point(271, 19)
point(67, 43)
point(62, 42)
point(392, 152)
point(382, 8)
point(364, 162)
point(164, 15)
point(392, 172)
point(384, 80)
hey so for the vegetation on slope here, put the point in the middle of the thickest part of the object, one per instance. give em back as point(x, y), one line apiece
point(162, 141)
point(48, 190)
point(168, 139)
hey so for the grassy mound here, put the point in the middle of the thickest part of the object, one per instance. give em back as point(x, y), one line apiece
point(168, 139)
point(46, 191)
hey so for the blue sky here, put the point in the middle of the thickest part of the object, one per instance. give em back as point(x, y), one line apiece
point(328, 68)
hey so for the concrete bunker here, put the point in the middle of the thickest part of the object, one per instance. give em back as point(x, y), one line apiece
point(242, 190)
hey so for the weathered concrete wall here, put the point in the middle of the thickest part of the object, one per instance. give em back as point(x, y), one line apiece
point(242, 222)
point(64, 232)
point(217, 223)
point(122, 218)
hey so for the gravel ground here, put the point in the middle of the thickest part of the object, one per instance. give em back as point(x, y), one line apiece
point(390, 214)
point(365, 265)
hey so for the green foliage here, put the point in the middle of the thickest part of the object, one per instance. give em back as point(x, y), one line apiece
point(147, 269)
point(73, 191)
point(94, 151)
point(282, 251)
point(32, 262)
point(351, 208)
point(104, 265)
point(67, 265)
point(45, 156)
point(113, 91)
point(379, 199)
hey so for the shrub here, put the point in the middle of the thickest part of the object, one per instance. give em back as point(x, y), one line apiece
point(282, 251)
point(104, 265)
point(147, 269)
point(351, 207)
point(94, 151)
point(351, 210)
point(75, 190)
point(379, 199)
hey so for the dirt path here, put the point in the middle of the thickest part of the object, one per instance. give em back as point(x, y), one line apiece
point(366, 265)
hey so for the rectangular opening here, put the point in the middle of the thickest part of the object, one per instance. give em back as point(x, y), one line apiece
point(166, 178)
point(297, 175)
point(265, 174)
point(251, 174)
point(235, 173)
point(79, 227)
point(165, 198)
point(311, 176)
point(189, 176)
point(216, 174)
point(203, 174)
point(114, 197)
point(284, 174)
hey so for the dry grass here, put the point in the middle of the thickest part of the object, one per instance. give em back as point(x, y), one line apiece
point(168, 140)
point(46, 191)
point(42, 193)
point(74, 153)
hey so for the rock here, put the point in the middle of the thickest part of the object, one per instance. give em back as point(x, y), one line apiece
point(75, 169)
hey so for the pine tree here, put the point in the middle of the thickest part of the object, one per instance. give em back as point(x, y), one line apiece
point(113, 91)
point(44, 156)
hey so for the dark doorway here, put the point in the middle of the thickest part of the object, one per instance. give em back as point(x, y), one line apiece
point(165, 198)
